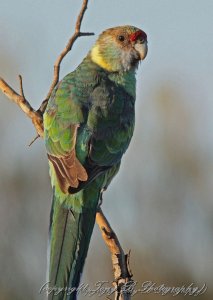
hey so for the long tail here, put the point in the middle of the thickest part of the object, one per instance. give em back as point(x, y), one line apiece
point(69, 238)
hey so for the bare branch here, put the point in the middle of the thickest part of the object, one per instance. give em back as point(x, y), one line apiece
point(120, 260)
point(23, 104)
point(35, 138)
point(19, 99)
point(68, 47)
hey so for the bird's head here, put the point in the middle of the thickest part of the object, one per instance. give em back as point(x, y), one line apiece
point(120, 49)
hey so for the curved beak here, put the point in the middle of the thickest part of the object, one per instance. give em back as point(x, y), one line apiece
point(142, 48)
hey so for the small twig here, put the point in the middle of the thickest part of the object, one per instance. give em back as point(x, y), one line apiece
point(20, 100)
point(68, 47)
point(22, 95)
point(120, 261)
point(37, 115)
point(21, 87)
point(35, 138)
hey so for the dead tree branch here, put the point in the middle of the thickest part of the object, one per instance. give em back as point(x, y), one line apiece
point(20, 100)
point(120, 261)
point(37, 115)
point(68, 47)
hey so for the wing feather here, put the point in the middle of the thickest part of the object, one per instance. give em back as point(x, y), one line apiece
point(69, 171)
point(62, 118)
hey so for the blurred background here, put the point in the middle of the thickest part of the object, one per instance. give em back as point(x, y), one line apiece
point(160, 204)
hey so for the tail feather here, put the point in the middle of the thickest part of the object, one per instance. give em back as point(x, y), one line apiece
point(70, 234)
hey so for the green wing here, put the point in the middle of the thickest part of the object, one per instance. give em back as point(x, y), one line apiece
point(62, 119)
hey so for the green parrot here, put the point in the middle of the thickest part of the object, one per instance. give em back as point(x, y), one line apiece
point(88, 125)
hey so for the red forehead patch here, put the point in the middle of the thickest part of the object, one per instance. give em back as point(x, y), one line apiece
point(138, 34)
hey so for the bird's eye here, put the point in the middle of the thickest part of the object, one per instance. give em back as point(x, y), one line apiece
point(121, 38)
point(142, 41)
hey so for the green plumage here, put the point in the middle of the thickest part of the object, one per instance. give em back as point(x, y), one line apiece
point(89, 122)
point(104, 111)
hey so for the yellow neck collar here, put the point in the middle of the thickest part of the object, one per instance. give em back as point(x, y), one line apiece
point(98, 59)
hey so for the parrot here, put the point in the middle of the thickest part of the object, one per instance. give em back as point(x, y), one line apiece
point(88, 125)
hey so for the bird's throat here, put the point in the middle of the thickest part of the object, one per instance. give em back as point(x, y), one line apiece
point(99, 59)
